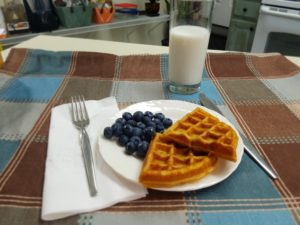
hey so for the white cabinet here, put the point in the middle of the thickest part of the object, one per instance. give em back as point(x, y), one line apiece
point(222, 12)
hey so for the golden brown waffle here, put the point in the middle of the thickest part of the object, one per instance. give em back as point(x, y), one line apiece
point(201, 131)
point(168, 165)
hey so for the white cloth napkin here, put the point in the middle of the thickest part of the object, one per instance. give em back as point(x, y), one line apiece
point(66, 190)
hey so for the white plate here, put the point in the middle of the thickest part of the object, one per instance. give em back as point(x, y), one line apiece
point(130, 167)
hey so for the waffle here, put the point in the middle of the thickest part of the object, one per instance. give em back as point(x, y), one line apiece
point(201, 131)
point(167, 164)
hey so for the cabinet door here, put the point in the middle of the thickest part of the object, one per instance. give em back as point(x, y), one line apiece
point(240, 35)
point(246, 9)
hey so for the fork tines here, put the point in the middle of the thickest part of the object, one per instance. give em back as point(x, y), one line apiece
point(79, 112)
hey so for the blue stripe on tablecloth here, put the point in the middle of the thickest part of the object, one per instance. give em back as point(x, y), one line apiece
point(31, 88)
point(7, 150)
point(46, 62)
point(279, 217)
point(164, 66)
point(209, 89)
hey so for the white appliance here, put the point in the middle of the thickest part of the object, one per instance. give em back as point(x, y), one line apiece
point(278, 27)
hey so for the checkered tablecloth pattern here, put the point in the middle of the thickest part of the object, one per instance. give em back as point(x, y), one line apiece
point(258, 93)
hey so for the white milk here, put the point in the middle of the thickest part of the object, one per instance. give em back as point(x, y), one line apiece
point(188, 46)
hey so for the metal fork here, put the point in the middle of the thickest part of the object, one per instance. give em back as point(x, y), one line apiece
point(80, 119)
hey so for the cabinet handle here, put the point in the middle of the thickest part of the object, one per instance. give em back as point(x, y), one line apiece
point(251, 29)
point(245, 9)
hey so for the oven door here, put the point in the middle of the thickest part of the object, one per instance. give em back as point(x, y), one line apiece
point(277, 30)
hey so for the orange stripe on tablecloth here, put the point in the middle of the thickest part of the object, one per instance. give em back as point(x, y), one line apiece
point(20, 206)
point(199, 206)
point(21, 202)
point(145, 208)
point(199, 211)
point(180, 204)
point(116, 77)
point(2, 196)
point(25, 202)
point(278, 183)
point(73, 63)
point(154, 205)
point(241, 210)
point(216, 200)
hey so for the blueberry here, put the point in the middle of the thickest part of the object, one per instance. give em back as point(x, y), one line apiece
point(142, 149)
point(148, 114)
point(135, 139)
point(146, 119)
point(151, 124)
point(156, 121)
point(167, 122)
point(123, 139)
point(140, 125)
point(149, 133)
point(121, 121)
point(131, 122)
point(127, 116)
point(143, 138)
point(108, 132)
point(138, 116)
point(117, 129)
point(160, 128)
point(137, 131)
point(130, 148)
point(159, 116)
point(127, 130)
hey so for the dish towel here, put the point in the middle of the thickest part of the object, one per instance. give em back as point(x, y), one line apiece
point(66, 190)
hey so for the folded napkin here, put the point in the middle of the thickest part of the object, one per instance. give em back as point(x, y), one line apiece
point(66, 190)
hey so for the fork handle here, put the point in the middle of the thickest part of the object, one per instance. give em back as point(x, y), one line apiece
point(88, 161)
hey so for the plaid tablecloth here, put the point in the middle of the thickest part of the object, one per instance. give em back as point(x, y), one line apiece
point(260, 92)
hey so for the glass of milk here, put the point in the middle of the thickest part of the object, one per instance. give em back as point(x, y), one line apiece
point(190, 26)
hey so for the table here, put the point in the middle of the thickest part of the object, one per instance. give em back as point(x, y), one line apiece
point(258, 93)
point(58, 43)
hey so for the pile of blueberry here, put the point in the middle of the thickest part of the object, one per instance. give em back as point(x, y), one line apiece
point(135, 131)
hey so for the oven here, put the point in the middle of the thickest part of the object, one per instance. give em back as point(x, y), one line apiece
point(278, 27)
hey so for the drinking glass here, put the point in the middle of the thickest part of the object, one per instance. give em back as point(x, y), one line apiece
point(190, 26)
